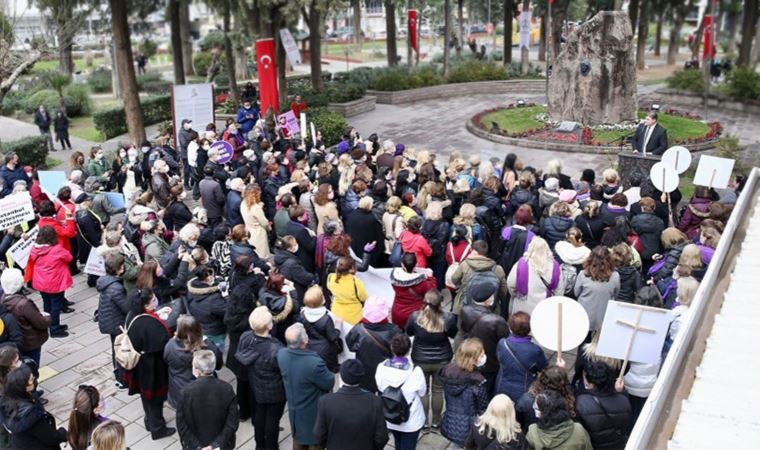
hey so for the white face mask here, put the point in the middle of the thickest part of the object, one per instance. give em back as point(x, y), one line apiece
point(482, 360)
point(99, 156)
point(123, 154)
point(207, 147)
point(182, 195)
point(331, 195)
point(188, 126)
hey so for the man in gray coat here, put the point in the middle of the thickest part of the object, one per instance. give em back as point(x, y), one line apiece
point(212, 198)
point(306, 379)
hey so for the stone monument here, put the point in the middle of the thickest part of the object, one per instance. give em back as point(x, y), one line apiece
point(593, 79)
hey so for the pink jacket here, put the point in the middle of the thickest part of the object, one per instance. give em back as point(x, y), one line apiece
point(51, 268)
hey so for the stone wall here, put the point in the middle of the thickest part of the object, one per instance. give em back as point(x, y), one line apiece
point(500, 87)
point(667, 95)
point(354, 108)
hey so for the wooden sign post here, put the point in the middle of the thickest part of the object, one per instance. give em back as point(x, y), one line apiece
point(635, 327)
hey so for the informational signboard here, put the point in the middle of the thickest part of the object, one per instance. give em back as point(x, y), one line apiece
point(225, 151)
point(19, 252)
point(194, 102)
point(16, 209)
point(714, 172)
point(95, 264)
point(291, 47)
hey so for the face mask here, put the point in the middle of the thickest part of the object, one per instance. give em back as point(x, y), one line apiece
point(99, 156)
point(187, 126)
point(233, 131)
point(154, 303)
point(182, 195)
point(145, 149)
point(123, 155)
point(207, 147)
point(411, 177)
point(285, 162)
point(482, 360)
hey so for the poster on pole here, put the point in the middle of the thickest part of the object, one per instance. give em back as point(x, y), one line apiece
point(633, 332)
point(289, 123)
point(116, 199)
point(524, 21)
point(16, 209)
point(291, 47)
point(714, 172)
point(95, 264)
point(20, 251)
point(194, 102)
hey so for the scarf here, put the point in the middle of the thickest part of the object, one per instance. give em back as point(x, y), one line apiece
point(523, 272)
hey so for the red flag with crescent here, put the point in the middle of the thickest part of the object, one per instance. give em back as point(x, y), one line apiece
point(708, 48)
point(267, 71)
point(412, 22)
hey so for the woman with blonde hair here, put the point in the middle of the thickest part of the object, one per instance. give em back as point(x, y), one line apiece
point(347, 170)
point(432, 329)
point(590, 223)
point(497, 428)
point(466, 218)
point(465, 390)
point(109, 435)
point(436, 232)
point(252, 210)
point(673, 241)
point(324, 206)
point(348, 291)
point(535, 277)
point(393, 223)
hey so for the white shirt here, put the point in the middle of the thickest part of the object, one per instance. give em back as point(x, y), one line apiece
point(413, 386)
point(633, 195)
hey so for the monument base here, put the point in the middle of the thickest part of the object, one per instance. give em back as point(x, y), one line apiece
point(630, 163)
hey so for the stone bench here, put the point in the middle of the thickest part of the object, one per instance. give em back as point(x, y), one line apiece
point(355, 107)
point(498, 87)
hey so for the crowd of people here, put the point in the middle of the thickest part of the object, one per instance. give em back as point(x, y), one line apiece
point(263, 276)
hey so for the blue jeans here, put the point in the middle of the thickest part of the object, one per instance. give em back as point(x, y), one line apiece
point(52, 304)
point(405, 440)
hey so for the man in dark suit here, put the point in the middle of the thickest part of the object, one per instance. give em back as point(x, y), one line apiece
point(650, 137)
point(207, 411)
point(352, 417)
point(307, 242)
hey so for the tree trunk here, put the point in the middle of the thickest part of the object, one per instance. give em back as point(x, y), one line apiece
point(239, 44)
point(460, 25)
point(641, 42)
point(748, 32)
point(525, 52)
point(756, 49)
point(446, 36)
point(559, 13)
point(697, 40)
point(542, 40)
point(228, 53)
point(280, 58)
point(658, 34)
point(390, 28)
point(508, 8)
point(176, 41)
point(633, 12)
point(314, 21)
point(7, 84)
point(733, 22)
point(675, 39)
point(66, 59)
point(357, 9)
point(125, 66)
point(187, 39)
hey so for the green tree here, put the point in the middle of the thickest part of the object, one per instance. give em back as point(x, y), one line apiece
point(15, 63)
point(68, 16)
point(390, 31)
point(58, 82)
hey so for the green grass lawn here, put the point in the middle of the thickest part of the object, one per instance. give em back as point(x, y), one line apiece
point(52, 162)
point(84, 128)
point(79, 64)
point(515, 120)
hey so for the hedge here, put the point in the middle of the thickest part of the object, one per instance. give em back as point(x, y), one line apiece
point(332, 125)
point(112, 122)
point(32, 151)
point(76, 97)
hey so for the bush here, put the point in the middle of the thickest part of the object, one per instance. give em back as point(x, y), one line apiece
point(331, 125)
point(100, 81)
point(112, 122)
point(31, 150)
point(153, 83)
point(475, 70)
point(345, 92)
point(687, 80)
point(201, 63)
point(211, 40)
point(402, 78)
point(14, 101)
point(148, 48)
point(76, 98)
point(743, 82)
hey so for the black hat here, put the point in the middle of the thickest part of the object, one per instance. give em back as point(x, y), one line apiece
point(482, 292)
point(83, 197)
point(351, 372)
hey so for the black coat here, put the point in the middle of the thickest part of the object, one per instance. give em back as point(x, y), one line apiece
point(466, 397)
point(432, 348)
point(150, 378)
point(61, 124)
point(591, 228)
point(238, 249)
point(177, 215)
point(351, 418)
point(306, 244)
point(477, 441)
point(208, 413)
point(240, 305)
point(437, 234)
point(364, 228)
point(610, 430)
point(371, 352)
point(113, 305)
point(90, 233)
point(207, 305)
point(292, 269)
point(324, 339)
point(658, 140)
point(11, 332)
point(481, 323)
point(30, 426)
point(554, 228)
point(258, 357)
point(649, 227)
point(180, 364)
point(630, 283)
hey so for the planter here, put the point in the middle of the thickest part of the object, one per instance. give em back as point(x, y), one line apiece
point(355, 107)
point(499, 87)
point(747, 106)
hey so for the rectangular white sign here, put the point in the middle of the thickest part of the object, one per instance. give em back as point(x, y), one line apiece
point(524, 21)
point(618, 327)
point(714, 172)
point(16, 209)
point(194, 102)
point(291, 47)
point(95, 264)
point(19, 252)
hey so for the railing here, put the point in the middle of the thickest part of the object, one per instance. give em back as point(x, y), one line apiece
point(652, 417)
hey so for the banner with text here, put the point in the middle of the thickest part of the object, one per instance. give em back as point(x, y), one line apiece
point(20, 251)
point(16, 209)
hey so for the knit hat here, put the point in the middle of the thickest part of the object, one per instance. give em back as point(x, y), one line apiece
point(567, 195)
point(375, 310)
point(551, 184)
point(400, 148)
point(12, 281)
point(351, 372)
point(482, 292)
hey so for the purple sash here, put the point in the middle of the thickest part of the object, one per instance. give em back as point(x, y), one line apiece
point(523, 273)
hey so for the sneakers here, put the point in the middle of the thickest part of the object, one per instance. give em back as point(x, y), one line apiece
point(162, 433)
point(59, 334)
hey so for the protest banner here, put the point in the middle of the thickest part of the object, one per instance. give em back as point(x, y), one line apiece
point(524, 22)
point(19, 252)
point(663, 177)
point(290, 46)
point(267, 71)
point(194, 102)
point(116, 199)
point(678, 158)
point(225, 151)
point(378, 283)
point(16, 209)
point(95, 264)
point(51, 181)
point(714, 172)
point(289, 122)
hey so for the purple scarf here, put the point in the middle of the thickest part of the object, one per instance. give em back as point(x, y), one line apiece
point(523, 273)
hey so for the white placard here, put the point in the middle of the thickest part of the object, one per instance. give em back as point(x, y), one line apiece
point(678, 157)
point(313, 134)
point(524, 22)
point(378, 283)
point(663, 177)
point(16, 209)
point(290, 45)
point(714, 172)
point(19, 252)
point(618, 330)
point(194, 102)
point(95, 264)
point(304, 130)
point(546, 328)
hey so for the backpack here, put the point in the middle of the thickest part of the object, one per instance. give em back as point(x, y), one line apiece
point(454, 266)
point(395, 407)
point(569, 274)
point(482, 277)
point(124, 352)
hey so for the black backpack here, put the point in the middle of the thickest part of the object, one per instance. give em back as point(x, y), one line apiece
point(395, 407)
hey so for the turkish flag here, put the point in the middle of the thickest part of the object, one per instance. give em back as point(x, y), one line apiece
point(411, 16)
point(708, 50)
point(267, 76)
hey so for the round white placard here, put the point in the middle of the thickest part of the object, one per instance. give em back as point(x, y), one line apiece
point(544, 323)
point(678, 158)
point(663, 177)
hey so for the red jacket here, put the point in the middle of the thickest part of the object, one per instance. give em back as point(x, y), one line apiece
point(298, 109)
point(50, 267)
point(417, 244)
point(410, 289)
point(64, 229)
point(459, 252)
point(37, 195)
